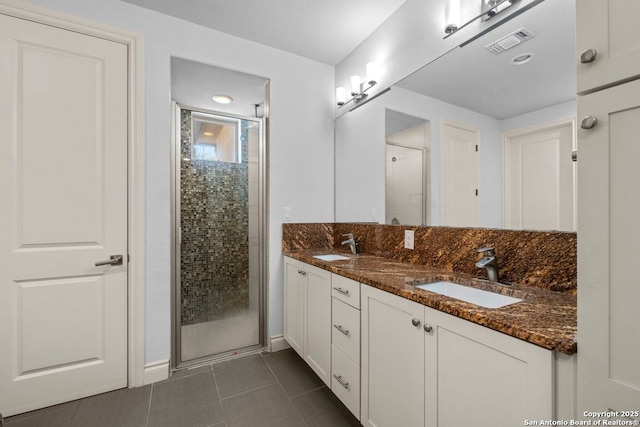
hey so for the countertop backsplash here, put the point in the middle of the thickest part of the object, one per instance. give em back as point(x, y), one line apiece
point(545, 259)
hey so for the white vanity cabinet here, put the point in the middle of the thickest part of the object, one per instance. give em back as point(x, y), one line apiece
point(422, 367)
point(610, 29)
point(307, 314)
point(345, 342)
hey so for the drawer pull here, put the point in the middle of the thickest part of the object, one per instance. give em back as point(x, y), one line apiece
point(342, 291)
point(342, 382)
point(341, 329)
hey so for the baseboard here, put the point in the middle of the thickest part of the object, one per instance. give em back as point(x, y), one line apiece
point(278, 343)
point(156, 371)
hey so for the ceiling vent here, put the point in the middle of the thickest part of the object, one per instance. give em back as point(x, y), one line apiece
point(509, 41)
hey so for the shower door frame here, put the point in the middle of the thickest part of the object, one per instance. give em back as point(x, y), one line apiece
point(176, 362)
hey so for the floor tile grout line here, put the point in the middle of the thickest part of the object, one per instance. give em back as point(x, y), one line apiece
point(295, 408)
point(231, 396)
point(302, 393)
point(149, 406)
point(215, 381)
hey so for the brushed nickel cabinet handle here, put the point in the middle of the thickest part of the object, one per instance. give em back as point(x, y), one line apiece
point(342, 382)
point(341, 329)
point(589, 122)
point(342, 291)
point(588, 56)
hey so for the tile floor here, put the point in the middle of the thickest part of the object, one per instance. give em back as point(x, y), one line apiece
point(269, 389)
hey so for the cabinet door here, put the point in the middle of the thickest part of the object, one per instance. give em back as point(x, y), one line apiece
point(392, 360)
point(294, 304)
point(609, 207)
point(611, 28)
point(317, 349)
point(479, 377)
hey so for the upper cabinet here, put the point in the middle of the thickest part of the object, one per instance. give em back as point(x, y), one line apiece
point(608, 42)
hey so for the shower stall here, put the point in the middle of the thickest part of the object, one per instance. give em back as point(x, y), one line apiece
point(218, 197)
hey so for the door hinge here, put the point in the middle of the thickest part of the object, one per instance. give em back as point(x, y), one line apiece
point(476, 147)
point(476, 191)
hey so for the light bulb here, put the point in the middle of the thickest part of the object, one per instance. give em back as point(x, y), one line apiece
point(341, 95)
point(372, 73)
point(355, 85)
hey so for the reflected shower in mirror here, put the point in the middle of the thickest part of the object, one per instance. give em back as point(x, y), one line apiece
point(501, 116)
point(407, 160)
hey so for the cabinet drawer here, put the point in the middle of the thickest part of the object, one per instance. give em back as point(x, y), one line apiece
point(346, 290)
point(345, 380)
point(345, 329)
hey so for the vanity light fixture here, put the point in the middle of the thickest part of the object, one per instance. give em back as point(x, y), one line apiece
point(489, 8)
point(358, 86)
point(222, 99)
point(453, 17)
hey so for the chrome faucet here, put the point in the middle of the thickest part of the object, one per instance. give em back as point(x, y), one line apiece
point(351, 242)
point(489, 261)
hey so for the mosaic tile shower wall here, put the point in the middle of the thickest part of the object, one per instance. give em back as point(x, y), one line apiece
point(214, 216)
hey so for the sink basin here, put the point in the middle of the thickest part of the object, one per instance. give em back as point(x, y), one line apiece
point(465, 293)
point(331, 257)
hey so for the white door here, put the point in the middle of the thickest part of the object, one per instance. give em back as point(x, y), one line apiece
point(63, 187)
point(609, 232)
point(460, 176)
point(539, 179)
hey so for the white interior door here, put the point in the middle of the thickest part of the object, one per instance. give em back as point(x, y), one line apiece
point(539, 179)
point(460, 176)
point(63, 186)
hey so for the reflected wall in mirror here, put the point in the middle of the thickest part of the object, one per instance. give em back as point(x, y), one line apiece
point(519, 102)
point(407, 163)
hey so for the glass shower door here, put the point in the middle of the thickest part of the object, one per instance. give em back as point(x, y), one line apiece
point(218, 252)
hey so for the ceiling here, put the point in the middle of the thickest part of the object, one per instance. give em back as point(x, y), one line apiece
point(481, 81)
point(193, 84)
point(325, 31)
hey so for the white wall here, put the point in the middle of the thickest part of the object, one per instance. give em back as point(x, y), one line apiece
point(301, 139)
point(554, 113)
point(360, 156)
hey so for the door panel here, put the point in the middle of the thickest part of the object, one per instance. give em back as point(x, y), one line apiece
point(539, 179)
point(460, 172)
point(63, 175)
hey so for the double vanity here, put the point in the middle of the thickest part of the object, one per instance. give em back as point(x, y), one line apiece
point(405, 342)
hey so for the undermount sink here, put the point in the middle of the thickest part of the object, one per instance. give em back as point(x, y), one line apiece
point(331, 257)
point(465, 293)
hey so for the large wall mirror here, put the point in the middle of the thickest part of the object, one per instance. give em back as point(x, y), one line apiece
point(497, 117)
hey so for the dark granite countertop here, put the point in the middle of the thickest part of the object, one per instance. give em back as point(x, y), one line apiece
point(544, 318)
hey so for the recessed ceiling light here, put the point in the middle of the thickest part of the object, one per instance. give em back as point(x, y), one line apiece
point(522, 59)
point(222, 99)
point(207, 133)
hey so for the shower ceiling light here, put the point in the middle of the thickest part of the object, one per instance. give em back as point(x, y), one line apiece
point(222, 99)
